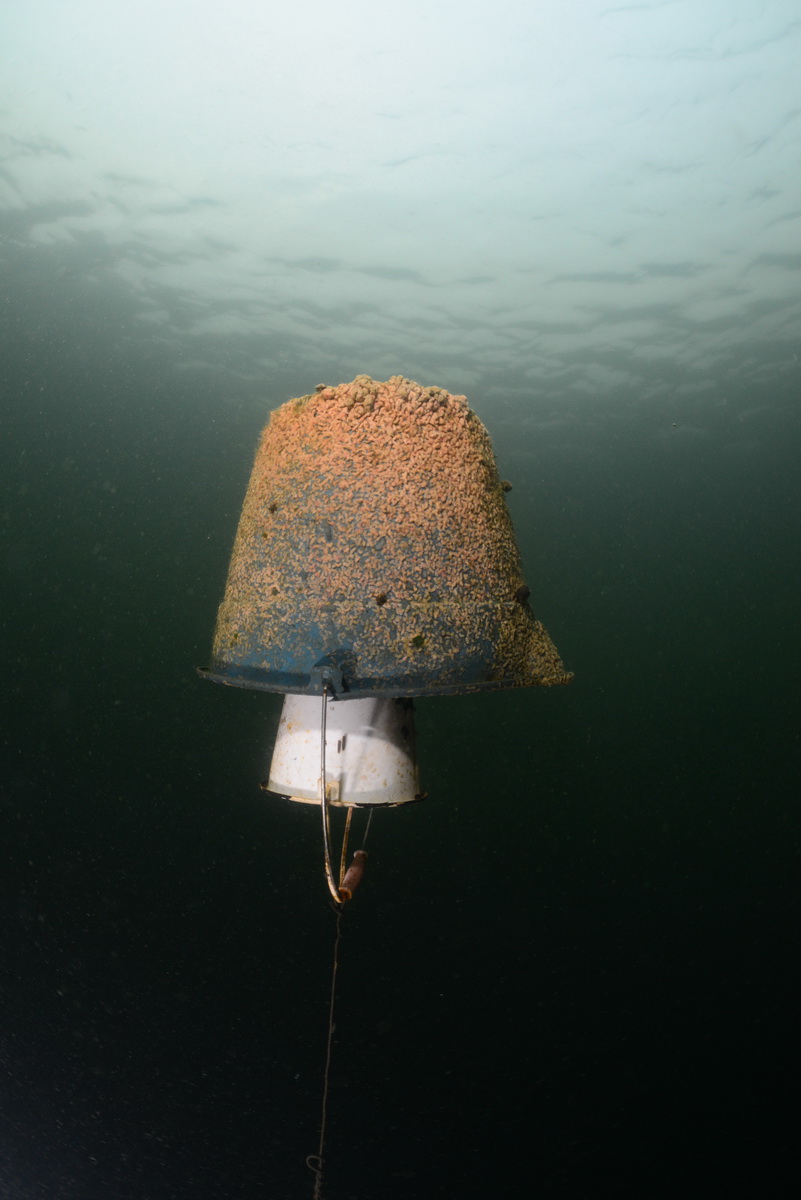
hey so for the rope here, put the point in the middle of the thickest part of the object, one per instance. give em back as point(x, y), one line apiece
point(315, 1161)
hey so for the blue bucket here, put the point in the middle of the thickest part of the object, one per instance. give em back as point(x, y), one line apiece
point(375, 554)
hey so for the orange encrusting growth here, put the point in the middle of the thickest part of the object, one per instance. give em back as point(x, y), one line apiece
point(375, 521)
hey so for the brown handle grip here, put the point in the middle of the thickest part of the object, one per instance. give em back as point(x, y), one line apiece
point(353, 876)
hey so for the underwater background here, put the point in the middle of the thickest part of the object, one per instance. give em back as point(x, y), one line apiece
point(573, 970)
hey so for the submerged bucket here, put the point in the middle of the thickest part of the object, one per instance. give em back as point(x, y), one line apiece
point(369, 752)
point(375, 554)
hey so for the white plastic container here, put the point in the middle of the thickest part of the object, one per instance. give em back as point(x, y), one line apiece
point(369, 751)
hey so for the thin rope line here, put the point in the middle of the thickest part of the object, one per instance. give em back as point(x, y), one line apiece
point(315, 1161)
point(367, 827)
point(344, 855)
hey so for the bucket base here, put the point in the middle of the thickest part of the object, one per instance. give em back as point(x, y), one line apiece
point(369, 752)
